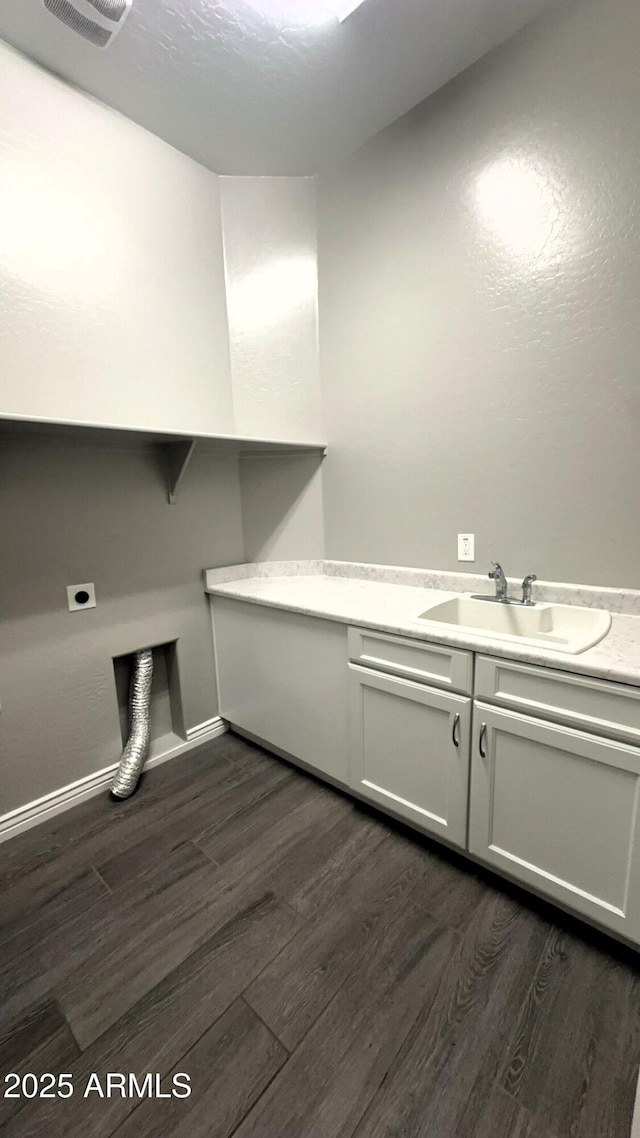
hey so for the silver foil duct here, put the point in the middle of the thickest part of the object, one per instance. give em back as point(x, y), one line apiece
point(137, 748)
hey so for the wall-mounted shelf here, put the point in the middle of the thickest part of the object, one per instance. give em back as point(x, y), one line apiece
point(175, 447)
point(177, 458)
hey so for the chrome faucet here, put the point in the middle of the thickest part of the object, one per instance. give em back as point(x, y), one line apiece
point(496, 573)
point(526, 588)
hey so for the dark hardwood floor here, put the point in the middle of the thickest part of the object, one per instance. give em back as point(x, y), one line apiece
point(316, 970)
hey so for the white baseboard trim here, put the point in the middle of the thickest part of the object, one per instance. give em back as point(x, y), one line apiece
point(210, 728)
point(169, 747)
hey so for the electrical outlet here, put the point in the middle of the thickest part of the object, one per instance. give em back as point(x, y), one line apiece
point(81, 597)
point(466, 547)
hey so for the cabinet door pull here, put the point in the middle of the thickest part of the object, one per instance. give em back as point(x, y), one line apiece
point(481, 739)
point(455, 735)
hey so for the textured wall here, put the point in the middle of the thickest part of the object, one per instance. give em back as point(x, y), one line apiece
point(269, 86)
point(272, 300)
point(269, 227)
point(479, 282)
point(113, 309)
point(282, 508)
point(70, 514)
point(112, 301)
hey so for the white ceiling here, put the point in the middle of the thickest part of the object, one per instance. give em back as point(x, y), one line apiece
point(269, 86)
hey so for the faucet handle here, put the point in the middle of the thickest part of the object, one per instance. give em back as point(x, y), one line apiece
point(497, 575)
point(526, 588)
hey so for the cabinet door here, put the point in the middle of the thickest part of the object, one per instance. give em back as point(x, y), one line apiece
point(409, 751)
point(556, 809)
point(281, 678)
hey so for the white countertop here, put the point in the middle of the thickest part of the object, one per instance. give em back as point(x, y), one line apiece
point(390, 599)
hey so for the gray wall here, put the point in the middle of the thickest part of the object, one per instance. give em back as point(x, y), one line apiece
point(112, 311)
point(282, 509)
point(479, 328)
point(75, 513)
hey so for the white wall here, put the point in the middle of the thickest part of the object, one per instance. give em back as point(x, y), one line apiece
point(271, 268)
point(112, 287)
point(480, 339)
point(269, 227)
point(113, 309)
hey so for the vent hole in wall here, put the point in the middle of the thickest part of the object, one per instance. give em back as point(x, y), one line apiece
point(112, 9)
point(65, 12)
point(167, 720)
point(97, 21)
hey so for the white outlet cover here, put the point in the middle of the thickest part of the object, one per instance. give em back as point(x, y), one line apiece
point(466, 547)
point(81, 597)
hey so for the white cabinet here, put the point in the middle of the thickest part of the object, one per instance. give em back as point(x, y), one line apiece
point(556, 808)
point(282, 679)
point(544, 789)
point(409, 751)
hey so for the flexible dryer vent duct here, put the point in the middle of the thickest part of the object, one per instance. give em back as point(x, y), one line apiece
point(98, 21)
point(137, 748)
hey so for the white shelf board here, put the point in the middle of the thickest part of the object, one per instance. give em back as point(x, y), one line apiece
point(246, 443)
point(176, 447)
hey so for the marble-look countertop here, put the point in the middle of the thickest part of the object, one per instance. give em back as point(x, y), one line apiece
point(390, 599)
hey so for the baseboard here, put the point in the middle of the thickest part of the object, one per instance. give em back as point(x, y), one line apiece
point(207, 728)
point(162, 751)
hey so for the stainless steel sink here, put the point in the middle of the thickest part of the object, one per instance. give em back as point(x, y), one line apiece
point(561, 628)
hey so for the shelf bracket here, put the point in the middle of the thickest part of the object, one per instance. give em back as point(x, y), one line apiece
point(176, 458)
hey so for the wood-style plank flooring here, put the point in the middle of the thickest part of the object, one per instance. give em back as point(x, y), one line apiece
point(317, 971)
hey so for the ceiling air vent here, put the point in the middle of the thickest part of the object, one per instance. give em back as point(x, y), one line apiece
point(98, 21)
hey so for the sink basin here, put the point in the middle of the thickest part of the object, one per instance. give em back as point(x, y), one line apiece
point(561, 628)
